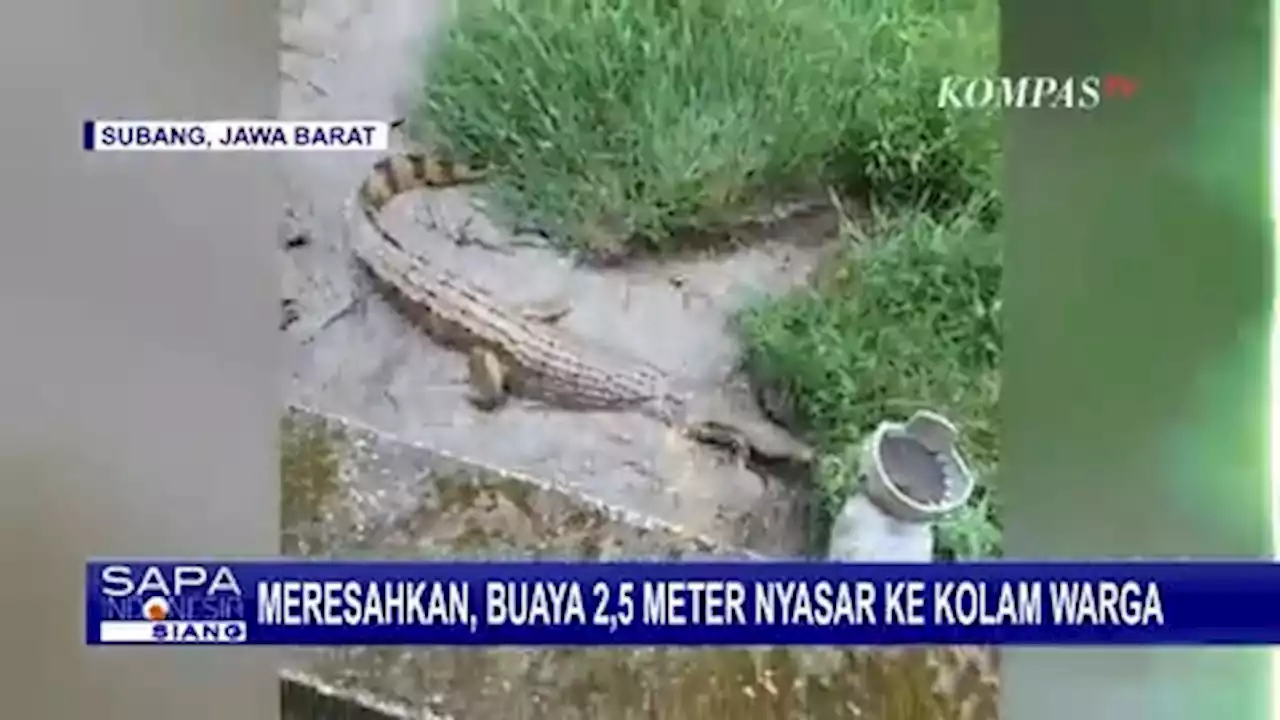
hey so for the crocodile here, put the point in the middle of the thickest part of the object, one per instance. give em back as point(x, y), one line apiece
point(513, 352)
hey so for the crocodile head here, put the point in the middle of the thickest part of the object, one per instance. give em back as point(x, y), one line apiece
point(733, 420)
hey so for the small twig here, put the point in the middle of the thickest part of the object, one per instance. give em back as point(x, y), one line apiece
point(343, 312)
point(293, 47)
point(464, 238)
point(314, 87)
point(846, 221)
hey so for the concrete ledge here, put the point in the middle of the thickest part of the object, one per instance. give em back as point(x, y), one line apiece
point(303, 697)
point(354, 493)
point(349, 491)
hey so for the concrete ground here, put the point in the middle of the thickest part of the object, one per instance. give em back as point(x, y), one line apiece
point(355, 59)
point(356, 492)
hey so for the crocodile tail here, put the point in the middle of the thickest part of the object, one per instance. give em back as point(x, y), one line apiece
point(405, 172)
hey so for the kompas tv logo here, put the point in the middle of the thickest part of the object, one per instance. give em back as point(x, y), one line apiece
point(1033, 92)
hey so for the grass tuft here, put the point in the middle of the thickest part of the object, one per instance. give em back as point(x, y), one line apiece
point(630, 121)
point(620, 125)
point(907, 321)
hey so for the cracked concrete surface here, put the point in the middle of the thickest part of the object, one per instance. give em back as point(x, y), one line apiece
point(348, 59)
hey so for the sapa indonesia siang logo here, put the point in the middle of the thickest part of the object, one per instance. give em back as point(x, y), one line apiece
point(168, 603)
point(1033, 92)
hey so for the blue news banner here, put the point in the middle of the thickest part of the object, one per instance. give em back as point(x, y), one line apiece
point(381, 603)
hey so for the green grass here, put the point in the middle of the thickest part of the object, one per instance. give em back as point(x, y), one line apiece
point(619, 125)
point(626, 121)
point(906, 321)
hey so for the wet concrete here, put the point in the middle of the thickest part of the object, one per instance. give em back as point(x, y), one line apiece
point(348, 59)
point(355, 492)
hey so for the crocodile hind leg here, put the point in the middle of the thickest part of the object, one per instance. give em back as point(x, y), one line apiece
point(487, 376)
